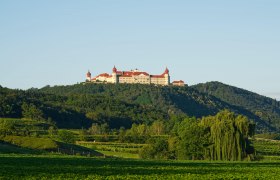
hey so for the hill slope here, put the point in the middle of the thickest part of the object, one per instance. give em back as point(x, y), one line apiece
point(262, 108)
point(80, 105)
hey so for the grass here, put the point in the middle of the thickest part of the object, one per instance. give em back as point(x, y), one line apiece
point(54, 167)
point(31, 142)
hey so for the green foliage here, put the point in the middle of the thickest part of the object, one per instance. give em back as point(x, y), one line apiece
point(81, 105)
point(266, 147)
point(52, 131)
point(30, 111)
point(158, 128)
point(97, 129)
point(228, 136)
point(224, 137)
point(7, 126)
point(83, 135)
point(23, 127)
point(66, 136)
point(265, 111)
point(191, 140)
point(157, 149)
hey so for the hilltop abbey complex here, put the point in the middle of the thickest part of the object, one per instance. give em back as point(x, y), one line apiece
point(133, 77)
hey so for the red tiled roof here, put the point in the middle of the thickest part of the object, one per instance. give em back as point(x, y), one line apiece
point(161, 76)
point(119, 72)
point(131, 73)
point(178, 81)
point(157, 76)
point(127, 73)
point(125, 76)
point(139, 73)
point(103, 75)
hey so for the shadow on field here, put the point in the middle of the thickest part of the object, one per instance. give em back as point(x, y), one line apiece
point(8, 148)
point(107, 167)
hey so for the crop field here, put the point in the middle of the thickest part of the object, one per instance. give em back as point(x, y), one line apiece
point(114, 149)
point(267, 147)
point(70, 167)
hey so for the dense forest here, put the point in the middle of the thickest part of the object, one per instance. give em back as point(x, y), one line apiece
point(81, 105)
point(260, 108)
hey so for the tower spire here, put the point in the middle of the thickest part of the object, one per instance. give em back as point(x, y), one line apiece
point(166, 70)
point(114, 69)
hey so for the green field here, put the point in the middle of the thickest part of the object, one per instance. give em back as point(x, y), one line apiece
point(115, 149)
point(33, 154)
point(69, 167)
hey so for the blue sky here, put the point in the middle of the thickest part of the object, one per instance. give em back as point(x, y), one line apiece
point(55, 42)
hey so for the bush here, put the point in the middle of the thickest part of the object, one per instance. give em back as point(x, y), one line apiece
point(157, 149)
point(66, 136)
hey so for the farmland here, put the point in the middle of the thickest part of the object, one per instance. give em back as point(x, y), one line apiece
point(70, 167)
point(37, 153)
point(114, 149)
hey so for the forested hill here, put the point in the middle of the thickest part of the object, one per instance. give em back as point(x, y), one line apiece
point(80, 105)
point(200, 100)
point(162, 102)
point(264, 108)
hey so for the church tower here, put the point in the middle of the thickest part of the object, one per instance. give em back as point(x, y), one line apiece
point(166, 77)
point(114, 75)
point(88, 76)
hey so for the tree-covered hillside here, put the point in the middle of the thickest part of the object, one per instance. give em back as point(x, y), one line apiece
point(80, 105)
point(260, 107)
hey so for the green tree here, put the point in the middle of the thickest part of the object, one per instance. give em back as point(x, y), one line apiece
point(156, 149)
point(191, 140)
point(52, 131)
point(95, 129)
point(83, 135)
point(122, 134)
point(66, 136)
point(7, 126)
point(104, 129)
point(30, 111)
point(157, 128)
point(229, 136)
